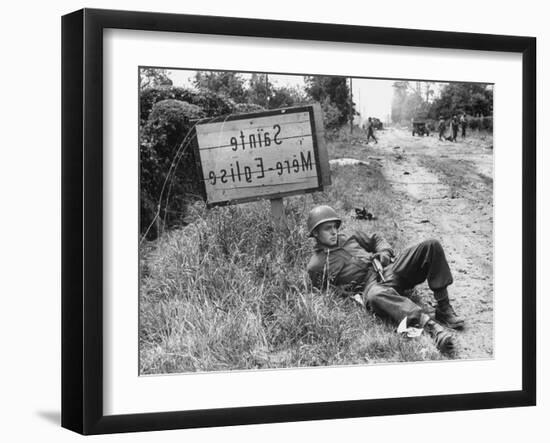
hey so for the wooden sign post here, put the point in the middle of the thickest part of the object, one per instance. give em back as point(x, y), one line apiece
point(271, 154)
point(278, 213)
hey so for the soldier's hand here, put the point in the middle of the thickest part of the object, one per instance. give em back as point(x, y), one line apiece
point(383, 257)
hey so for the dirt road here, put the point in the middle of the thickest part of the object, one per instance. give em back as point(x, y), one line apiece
point(446, 192)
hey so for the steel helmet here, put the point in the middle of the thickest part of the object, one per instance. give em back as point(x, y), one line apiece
point(321, 214)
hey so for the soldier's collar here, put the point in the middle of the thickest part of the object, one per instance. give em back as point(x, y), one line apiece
point(322, 248)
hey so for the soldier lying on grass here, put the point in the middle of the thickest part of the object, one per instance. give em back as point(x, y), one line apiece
point(347, 263)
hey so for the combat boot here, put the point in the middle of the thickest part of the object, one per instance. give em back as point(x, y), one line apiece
point(444, 339)
point(446, 315)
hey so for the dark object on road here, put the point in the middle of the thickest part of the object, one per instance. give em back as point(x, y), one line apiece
point(406, 173)
point(377, 124)
point(362, 214)
point(420, 128)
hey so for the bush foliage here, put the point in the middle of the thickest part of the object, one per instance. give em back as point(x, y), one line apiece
point(334, 96)
point(481, 123)
point(211, 103)
point(167, 173)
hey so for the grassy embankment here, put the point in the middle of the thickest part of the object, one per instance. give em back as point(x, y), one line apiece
point(228, 292)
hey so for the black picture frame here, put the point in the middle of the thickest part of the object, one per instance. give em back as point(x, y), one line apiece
point(82, 217)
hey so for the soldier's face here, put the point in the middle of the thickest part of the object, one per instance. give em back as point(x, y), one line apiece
point(327, 233)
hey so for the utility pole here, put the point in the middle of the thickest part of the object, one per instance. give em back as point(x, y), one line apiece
point(266, 92)
point(351, 105)
point(361, 111)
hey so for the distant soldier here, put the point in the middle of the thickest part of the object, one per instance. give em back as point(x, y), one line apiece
point(441, 128)
point(370, 130)
point(349, 263)
point(463, 124)
point(454, 128)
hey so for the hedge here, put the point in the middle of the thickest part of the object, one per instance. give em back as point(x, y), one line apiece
point(168, 176)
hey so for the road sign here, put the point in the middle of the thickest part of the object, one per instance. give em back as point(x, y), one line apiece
point(270, 154)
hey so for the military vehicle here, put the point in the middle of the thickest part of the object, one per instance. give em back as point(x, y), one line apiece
point(420, 128)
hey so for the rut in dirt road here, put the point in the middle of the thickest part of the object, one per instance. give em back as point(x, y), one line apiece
point(445, 192)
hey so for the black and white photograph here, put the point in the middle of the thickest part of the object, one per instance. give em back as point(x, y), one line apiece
point(300, 220)
point(275, 221)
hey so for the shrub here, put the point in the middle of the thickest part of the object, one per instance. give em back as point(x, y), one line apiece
point(481, 123)
point(212, 104)
point(473, 123)
point(283, 97)
point(331, 114)
point(488, 124)
point(167, 171)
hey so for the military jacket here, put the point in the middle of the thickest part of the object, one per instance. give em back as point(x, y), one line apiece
point(347, 264)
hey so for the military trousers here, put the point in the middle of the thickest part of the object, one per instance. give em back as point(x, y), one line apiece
point(425, 261)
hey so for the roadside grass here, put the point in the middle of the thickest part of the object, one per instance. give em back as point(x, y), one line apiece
point(230, 292)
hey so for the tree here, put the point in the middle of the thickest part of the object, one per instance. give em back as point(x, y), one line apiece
point(259, 90)
point(474, 99)
point(153, 77)
point(284, 96)
point(333, 90)
point(227, 84)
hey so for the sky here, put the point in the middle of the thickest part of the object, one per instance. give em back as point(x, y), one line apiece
point(372, 97)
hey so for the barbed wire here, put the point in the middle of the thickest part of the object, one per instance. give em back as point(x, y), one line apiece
point(170, 176)
point(181, 149)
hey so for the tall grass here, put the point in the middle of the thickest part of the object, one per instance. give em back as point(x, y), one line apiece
point(228, 291)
